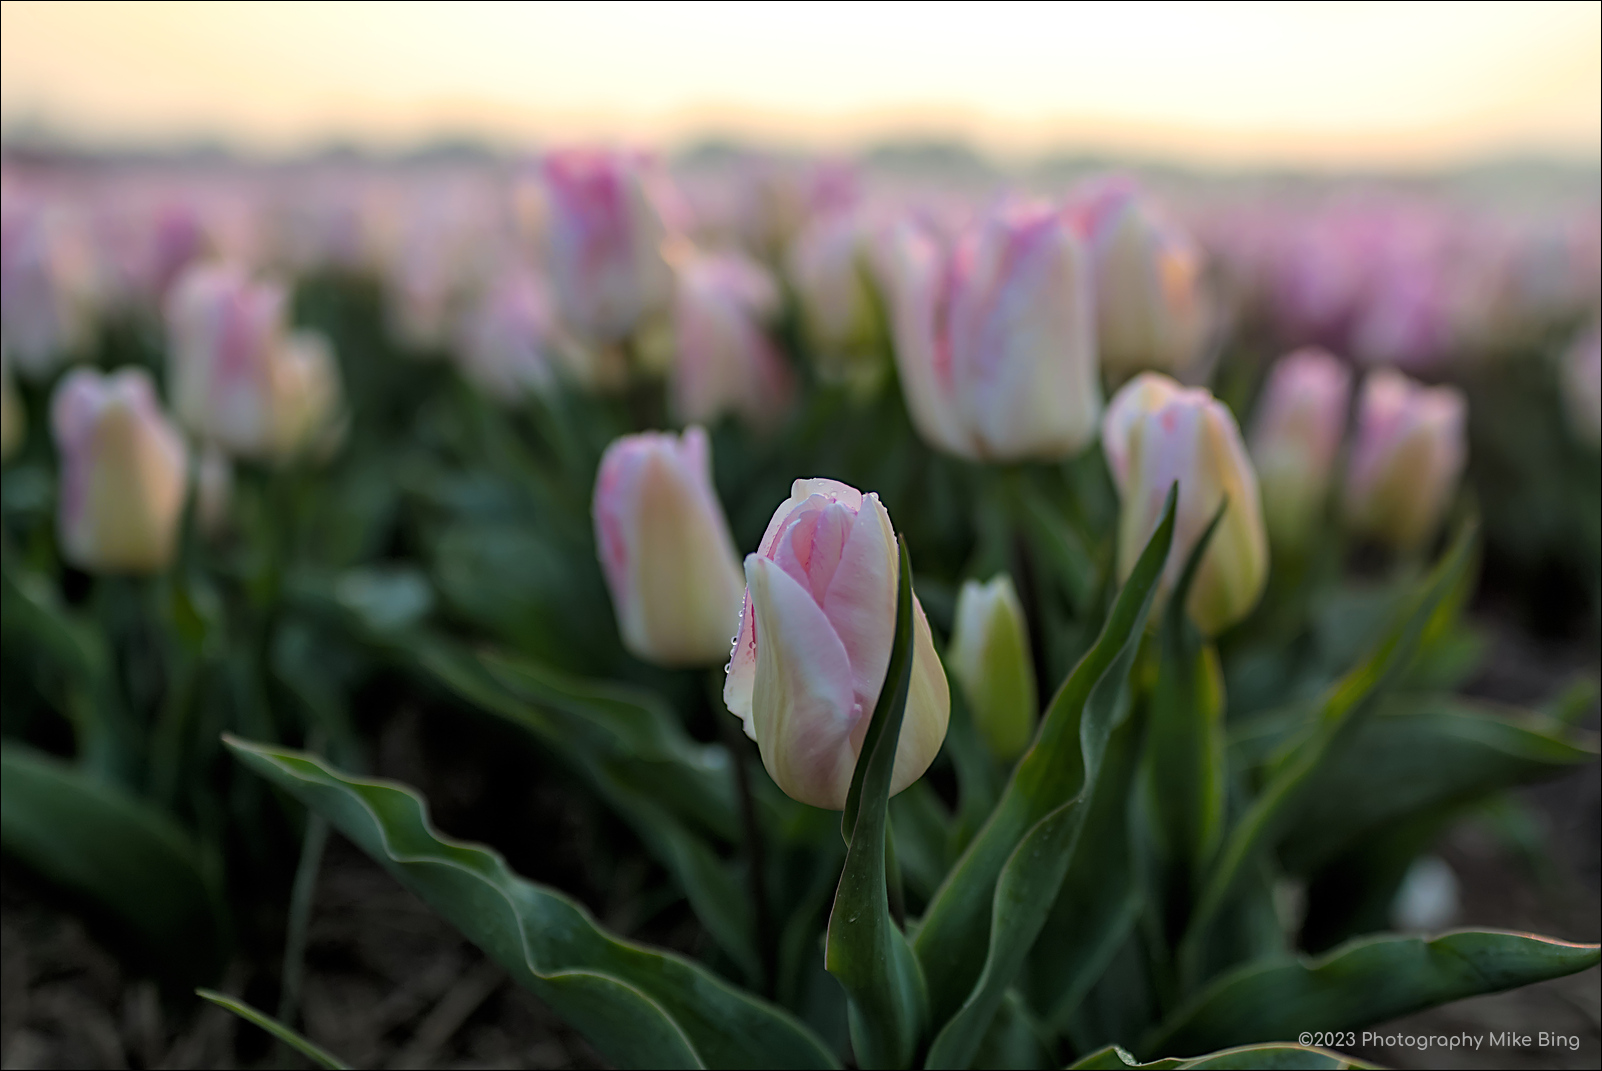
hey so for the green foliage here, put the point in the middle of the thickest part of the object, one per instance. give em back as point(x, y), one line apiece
point(317, 1055)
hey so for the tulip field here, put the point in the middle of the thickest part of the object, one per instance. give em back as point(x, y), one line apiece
point(857, 622)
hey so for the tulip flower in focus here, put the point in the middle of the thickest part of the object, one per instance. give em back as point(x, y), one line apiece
point(814, 643)
point(13, 418)
point(1157, 432)
point(1300, 421)
point(1152, 309)
point(1409, 451)
point(610, 216)
point(124, 469)
point(995, 335)
point(1582, 387)
point(665, 548)
point(724, 361)
point(241, 377)
point(828, 267)
point(989, 656)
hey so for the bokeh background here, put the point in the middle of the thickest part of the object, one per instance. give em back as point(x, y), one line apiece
point(1459, 144)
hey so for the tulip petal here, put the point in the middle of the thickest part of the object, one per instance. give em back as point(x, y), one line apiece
point(923, 729)
point(803, 690)
point(861, 599)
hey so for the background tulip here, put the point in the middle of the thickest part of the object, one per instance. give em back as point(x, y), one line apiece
point(989, 656)
point(814, 643)
point(665, 548)
point(1152, 311)
point(610, 215)
point(995, 335)
point(123, 473)
point(48, 289)
point(724, 361)
point(1157, 432)
point(1406, 459)
point(241, 378)
point(1300, 421)
point(828, 267)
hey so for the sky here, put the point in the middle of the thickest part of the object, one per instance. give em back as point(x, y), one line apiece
point(1230, 84)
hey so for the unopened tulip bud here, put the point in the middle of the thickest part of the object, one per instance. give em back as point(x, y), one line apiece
point(1300, 421)
point(1409, 452)
point(48, 287)
point(814, 644)
point(989, 656)
point(123, 473)
point(665, 548)
point(724, 360)
point(241, 377)
point(13, 418)
point(610, 216)
point(995, 335)
point(1156, 433)
point(509, 343)
point(214, 491)
point(828, 266)
point(1582, 387)
point(1152, 311)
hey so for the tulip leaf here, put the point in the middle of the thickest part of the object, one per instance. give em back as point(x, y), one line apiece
point(1244, 1058)
point(983, 920)
point(669, 789)
point(1366, 981)
point(641, 1007)
point(1344, 708)
point(315, 1053)
point(864, 947)
point(1183, 770)
point(117, 852)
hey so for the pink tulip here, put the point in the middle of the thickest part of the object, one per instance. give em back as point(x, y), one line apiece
point(1156, 433)
point(1300, 421)
point(665, 548)
point(48, 288)
point(123, 472)
point(814, 643)
point(828, 265)
point(610, 216)
point(995, 335)
point(725, 362)
point(1409, 452)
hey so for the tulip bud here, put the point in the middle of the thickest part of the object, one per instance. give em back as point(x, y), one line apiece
point(813, 648)
point(123, 472)
point(610, 216)
point(1409, 452)
point(508, 342)
point(725, 361)
point(214, 491)
point(989, 656)
point(665, 548)
point(241, 378)
point(828, 268)
point(1582, 387)
point(1157, 432)
point(995, 336)
point(13, 418)
point(48, 289)
point(1152, 311)
point(1299, 425)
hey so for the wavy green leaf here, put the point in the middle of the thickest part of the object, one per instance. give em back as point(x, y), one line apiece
point(639, 1006)
point(1344, 708)
point(864, 948)
point(1244, 1058)
point(1366, 981)
point(985, 917)
point(118, 852)
point(315, 1053)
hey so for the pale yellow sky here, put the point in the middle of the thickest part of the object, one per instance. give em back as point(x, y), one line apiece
point(1318, 84)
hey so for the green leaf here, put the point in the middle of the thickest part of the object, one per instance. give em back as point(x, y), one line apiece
point(1245, 1058)
point(996, 899)
point(1346, 705)
point(117, 851)
point(864, 947)
point(316, 1054)
point(1366, 981)
point(639, 1006)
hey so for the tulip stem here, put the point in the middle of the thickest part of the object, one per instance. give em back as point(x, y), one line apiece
point(766, 938)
